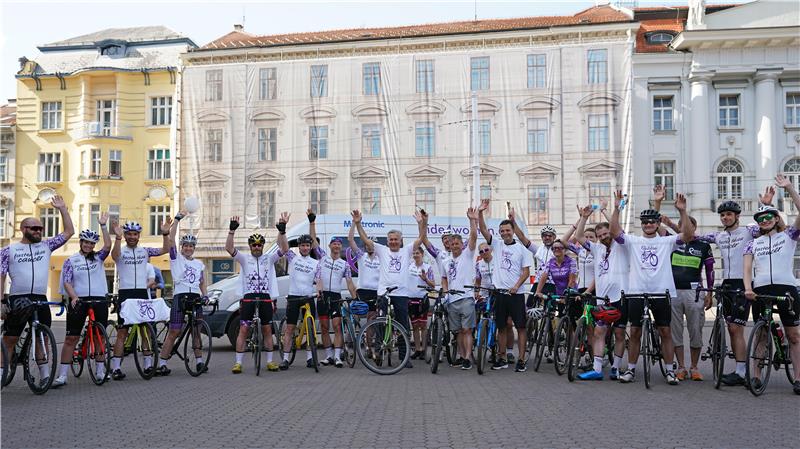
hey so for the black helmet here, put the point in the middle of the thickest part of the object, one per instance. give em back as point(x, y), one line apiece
point(256, 238)
point(650, 214)
point(729, 206)
point(305, 238)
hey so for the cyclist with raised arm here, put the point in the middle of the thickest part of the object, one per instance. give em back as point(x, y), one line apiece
point(305, 280)
point(483, 278)
point(334, 271)
point(131, 261)
point(189, 285)
point(651, 273)
point(83, 278)
point(512, 265)
point(367, 265)
point(418, 305)
point(396, 261)
point(541, 253)
point(767, 267)
point(257, 275)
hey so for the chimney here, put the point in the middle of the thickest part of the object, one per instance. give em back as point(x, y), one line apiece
point(238, 27)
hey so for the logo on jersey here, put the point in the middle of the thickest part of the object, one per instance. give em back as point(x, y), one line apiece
point(649, 256)
point(189, 274)
point(452, 269)
point(395, 264)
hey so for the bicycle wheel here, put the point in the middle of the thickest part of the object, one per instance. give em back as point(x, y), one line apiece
point(647, 351)
point(577, 348)
point(111, 332)
point(98, 353)
point(293, 349)
point(562, 339)
point(162, 329)
point(40, 366)
point(200, 337)
point(13, 360)
point(142, 348)
point(256, 345)
point(311, 335)
point(531, 331)
point(542, 340)
point(610, 342)
point(349, 346)
point(385, 346)
point(719, 351)
point(437, 341)
point(483, 341)
point(657, 355)
point(77, 356)
point(759, 358)
point(428, 338)
point(5, 364)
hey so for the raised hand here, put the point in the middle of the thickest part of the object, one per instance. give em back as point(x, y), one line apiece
point(586, 211)
point(659, 193)
point(472, 213)
point(166, 225)
point(311, 215)
point(117, 229)
point(103, 219)
point(58, 202)
point(356, 214)
point(603, 204)
point(284, 218)
point(512, 214)
point(617, 197)
point(419, 217)
point(484, 205)
point(234, 225)
point(782, 181)
point(769, 193)
point(680, 202)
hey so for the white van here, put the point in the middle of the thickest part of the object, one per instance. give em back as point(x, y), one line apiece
point(228, 291)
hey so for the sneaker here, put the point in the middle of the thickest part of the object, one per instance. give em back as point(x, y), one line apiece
point(237, 368)
point(510, 358)
point(547, 356)
point(284, 365)
point(326, 362)
point(409, 364)
point(627, 376)
point(500, 364)
point(521, 366)
point(272, 366)
point(59, 381)
point(202, 368)
point(310, 363)
point(117, 374)
point(695, 375)
point(591, 375)
point(466, 365)
point(614, 374)
point(414, 355)
point(459, 361)
point(672, 379)
point(148, 371)
point(732, 379)
point(338, 363)
point(163, 371)
point(796, 387)
point(681, 374)
point(756, 383)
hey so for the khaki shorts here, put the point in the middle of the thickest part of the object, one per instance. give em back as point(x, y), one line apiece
point(461, 314)
point(684, 304)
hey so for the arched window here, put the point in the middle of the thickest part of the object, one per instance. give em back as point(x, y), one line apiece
point(792, 171)
point(729, 180)
point(111, 50)
point(660, 38)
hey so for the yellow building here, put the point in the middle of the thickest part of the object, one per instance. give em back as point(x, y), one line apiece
point(96, 123)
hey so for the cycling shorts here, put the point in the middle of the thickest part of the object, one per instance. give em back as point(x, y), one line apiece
point(789, 310)
point(248, 309)
point(735, 308)
point(17, 319)
point(129, 293)
point(660, 308)
point(76, 316)
point(293, 304)
point(370, 297)
point(512, 306)
point(330, 306)
point(418, 310)
point(179, 305)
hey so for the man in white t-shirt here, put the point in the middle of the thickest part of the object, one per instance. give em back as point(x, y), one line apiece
point(650, 273)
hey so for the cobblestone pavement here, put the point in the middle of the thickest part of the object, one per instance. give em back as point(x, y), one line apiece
point(354, 408)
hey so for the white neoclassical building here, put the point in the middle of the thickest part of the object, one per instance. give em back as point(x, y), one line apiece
point(379, 119)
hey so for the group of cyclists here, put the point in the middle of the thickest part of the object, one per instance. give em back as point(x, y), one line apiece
point(617, 270)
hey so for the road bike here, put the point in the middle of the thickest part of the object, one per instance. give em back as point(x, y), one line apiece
point(486, 331)
point(255, 335)
point(197, 331)
point(351, 324)
point(580, 346)
point(383, 345)
point(441, 338)
point(563, 331)
point(93, 347)
point(767, 347)
point(717, 349)
point(141, 341)
point(544, 336)
point(305, 334)
point(651, 339)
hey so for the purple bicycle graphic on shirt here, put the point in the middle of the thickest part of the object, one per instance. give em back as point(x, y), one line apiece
point(146, 309)
point(650, 256)
point(604, 265)
point(506, 263)
point(189, 275)
point(451, 270)
point(395, 264)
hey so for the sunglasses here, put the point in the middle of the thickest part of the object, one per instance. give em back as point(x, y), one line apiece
point(765, 217)
point(256, 245)
point(558, 248)
point(484, 251)
point(649, 221)
point(35, 228)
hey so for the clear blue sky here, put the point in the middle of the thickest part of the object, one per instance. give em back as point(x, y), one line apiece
point(26, 24)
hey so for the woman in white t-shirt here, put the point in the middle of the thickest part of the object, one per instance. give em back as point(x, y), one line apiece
point(418, 305)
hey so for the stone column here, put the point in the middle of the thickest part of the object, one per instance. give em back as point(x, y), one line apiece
point(700, 186)
point(765, 127)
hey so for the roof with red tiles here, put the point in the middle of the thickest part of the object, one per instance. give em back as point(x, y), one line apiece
point(591, 16)
point(8, 114)
point(670, 19)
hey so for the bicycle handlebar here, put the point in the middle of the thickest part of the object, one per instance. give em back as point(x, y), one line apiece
point(502, 291)
point(716, 289)
point(440, 291)
point(664, 295)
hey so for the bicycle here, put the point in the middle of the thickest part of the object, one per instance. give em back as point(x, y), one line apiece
point(141, 341)
point(580, 345)
point(381, 338)
point(486, 333)
point(93, 346)
point(764, 352)
point(544, 335)
point(563, 332)
point(306, 330)
point(194, 329)
point(349, 324)
point(717, 349)
point(255, 336)
point(36, 347)
point(441, 337)
point(651, 339)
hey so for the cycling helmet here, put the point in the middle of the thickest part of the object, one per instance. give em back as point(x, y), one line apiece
point(359, 308)
point(189, 239)
point(305, 239)
point(256, 238)
point(447, 232)
point(729, 206)
point(535, 313)
point(765, 209)
point(547, 230)
point(650, 214)
point(132, 226)
point(606, 314)
point(89, 236)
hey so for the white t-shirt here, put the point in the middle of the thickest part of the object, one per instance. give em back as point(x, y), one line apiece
point(460, 271)
point(332, 272)
point(187, 275)
point(303, 272)
point(585, 266)
point(483, 273)
point(258, 273)
point(394, 269)
point(773, 258)
point(132, 269)
point(541, 255)
point(611, 269)
point(415, 279)
point(87, 277)
point(731, 246)
point(508, 262)
point(650, 265)
point(369, 270)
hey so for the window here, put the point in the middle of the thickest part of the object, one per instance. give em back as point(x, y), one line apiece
point(597, 66)
point(484, 137)
point(729, 111)
point(158, 214)
point(319, 81)
point(372, 78)
point(664, 175)
point(266, 209)
point(598, 132)
point(537, 204)
point(160, 111)
point(213, 85)
point(424, 141)
point(214, 145)
point(371, 135)
point(51, 115)
point(729, 180)
point(598, 191)
point(318, 142)
point(3, 222)
point(97, 162)
point(111, 50)
point(268, 144)
point(94, 217)
point(113, 213)
point(268, 83)
point(537, 70)
point(115, 164)
point(425, 76)
point(49, 167)
point(158, 164)
point(318, 201)
point(371, 201)
point(479, 73)
point(793, 109)
point(106, 116)
point(659, 38)
point(662, 113)
point(50, 220)
point(3, 167)
point(84, 163)
point(537, 135)
point(425, 198)
point(212, 209)
point(792, 171)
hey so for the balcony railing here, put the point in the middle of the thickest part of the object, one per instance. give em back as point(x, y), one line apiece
point(105, 130)
point(787, 206)
point(746, 205)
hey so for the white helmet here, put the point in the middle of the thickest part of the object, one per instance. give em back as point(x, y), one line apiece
point(765, 209)
point(548, 230)
point(89, 236)
point(189, 239)
point(132, 226)
point(535, 313)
